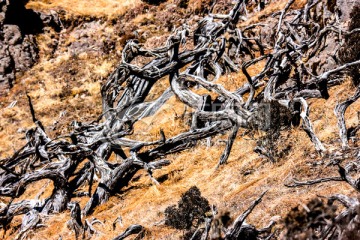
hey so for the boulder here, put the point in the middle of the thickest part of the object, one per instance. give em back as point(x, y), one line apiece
point(18, 48)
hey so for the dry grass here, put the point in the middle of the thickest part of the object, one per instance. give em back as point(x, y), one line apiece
point(228, 187)
point(53, 91)
point(94, 8)
point(231, 187)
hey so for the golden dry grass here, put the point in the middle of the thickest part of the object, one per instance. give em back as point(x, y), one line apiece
point(94, 8)
point(231, 187)
point(52, 93)
point(228, 187)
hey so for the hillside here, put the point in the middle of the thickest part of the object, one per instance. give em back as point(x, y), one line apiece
point(80, 47)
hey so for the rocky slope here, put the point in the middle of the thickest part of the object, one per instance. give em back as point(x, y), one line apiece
point(61, 52)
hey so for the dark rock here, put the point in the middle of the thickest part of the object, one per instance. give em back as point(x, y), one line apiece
point(18, 48)
point(7, 68)
point(91, 38)
point(12, 34)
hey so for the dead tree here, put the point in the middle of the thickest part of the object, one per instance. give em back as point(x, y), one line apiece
point(291, 75)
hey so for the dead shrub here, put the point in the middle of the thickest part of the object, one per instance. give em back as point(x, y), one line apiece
point(190, 211)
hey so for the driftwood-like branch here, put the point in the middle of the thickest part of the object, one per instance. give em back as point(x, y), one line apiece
point(30, 221)
point(75, 223)
point(297, 183)
point(340, 114)
point(240, 229)
point(235, 231)
point(345, 176)
point(133, 229)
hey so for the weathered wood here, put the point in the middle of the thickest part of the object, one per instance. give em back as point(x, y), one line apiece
point(30, 221)
point(75, 223)
point(344, 176)
point(240, 229)
point(291, 75)
point(340, 110)
point(133, 229)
